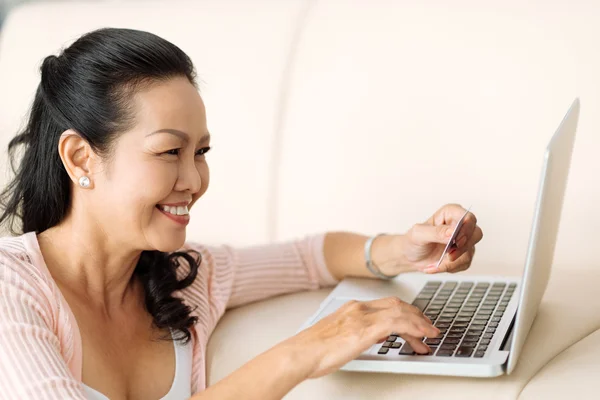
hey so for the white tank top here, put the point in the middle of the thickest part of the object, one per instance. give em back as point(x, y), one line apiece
point(182, 383)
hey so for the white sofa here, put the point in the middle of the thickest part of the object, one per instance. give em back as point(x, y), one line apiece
point(368, 116)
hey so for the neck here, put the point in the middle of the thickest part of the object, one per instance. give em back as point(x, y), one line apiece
point(85, 259)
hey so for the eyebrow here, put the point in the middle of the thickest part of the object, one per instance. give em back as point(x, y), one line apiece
point(180, 134)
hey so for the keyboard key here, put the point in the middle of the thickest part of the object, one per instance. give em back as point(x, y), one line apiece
point(455, 335)
point(469, 309)
point(471, 338)
point(448, 346)
point(383, 350)
point(464, 352)
point(407, 349)
point(461, 324)
point(424, 296)
point(444, 353)
point(420, 304)
point(493, 325)
point(457, 330)
point(468, 344)
point(396, 345)
point(499, 313)
point(452, 341)
point(488, 335)
point(463, 319)
point(432, 341)
point(451, 310)
point(495, 319)
point(490, 330)
point(442, 324)
point(485, 341)
point(479, 354)
point(387, 344)
point(484, 348)
point(392, 338)
point(445, 319)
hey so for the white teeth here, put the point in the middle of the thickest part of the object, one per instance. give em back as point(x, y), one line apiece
point(175, 210)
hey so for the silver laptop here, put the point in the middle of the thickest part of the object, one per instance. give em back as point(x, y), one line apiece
point(484, 320)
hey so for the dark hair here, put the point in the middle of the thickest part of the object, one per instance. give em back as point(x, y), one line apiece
point(88, 88)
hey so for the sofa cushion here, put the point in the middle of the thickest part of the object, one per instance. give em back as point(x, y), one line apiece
point(574, 372)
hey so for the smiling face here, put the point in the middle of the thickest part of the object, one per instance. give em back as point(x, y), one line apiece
point(157, 170)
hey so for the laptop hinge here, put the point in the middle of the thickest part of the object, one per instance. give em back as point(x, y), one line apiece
point(505, 346)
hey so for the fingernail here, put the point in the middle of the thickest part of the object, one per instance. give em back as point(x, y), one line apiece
point(426, 267)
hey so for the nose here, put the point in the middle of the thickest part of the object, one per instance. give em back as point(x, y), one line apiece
point(189, 178)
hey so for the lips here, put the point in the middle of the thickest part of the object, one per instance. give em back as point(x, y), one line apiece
point(167, 210)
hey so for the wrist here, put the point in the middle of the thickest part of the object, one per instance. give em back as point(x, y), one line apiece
point(389, 255)
point(300, 356)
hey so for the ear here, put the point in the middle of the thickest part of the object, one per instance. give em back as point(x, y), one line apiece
point(77, 156)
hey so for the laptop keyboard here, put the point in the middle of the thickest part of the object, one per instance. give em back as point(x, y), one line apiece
point(467, 315)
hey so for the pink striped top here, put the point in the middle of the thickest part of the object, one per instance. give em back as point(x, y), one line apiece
point(40, 345)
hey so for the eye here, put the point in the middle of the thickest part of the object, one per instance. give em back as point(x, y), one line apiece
point(202, 151)
point(172, 152)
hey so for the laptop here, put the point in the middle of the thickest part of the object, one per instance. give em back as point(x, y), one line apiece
point(484, 320)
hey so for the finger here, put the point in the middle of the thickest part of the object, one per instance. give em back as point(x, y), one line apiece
point(469, 235)
point(449, 214)
point(460, 264)
point(422, 234)
point(417, 344)
point(466, 245)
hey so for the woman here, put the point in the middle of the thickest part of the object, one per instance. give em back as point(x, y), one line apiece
point(101, 297)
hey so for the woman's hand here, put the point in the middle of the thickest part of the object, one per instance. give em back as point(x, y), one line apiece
point(422, 246)
point(424, 243)
point(353, 328)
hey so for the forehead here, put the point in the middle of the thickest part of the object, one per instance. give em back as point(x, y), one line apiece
point(174, 104)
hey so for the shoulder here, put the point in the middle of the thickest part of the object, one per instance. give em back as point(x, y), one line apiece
point(15, 258)
point(214, 272)
point(20, 273)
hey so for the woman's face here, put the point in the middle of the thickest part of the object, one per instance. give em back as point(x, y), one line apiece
point(157, 169)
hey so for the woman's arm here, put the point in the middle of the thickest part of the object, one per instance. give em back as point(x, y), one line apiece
point(31, 363)
point(345, 254)
point(270, 375)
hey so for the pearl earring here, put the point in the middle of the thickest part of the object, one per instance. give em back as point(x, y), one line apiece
point(84, 182)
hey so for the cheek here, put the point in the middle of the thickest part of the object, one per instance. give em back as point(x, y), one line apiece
point(145, 186)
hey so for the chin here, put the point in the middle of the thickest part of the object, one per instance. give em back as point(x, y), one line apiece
point(170, 242)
